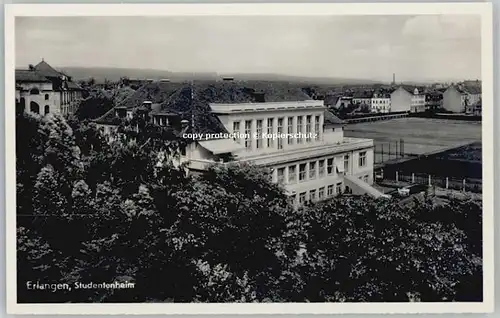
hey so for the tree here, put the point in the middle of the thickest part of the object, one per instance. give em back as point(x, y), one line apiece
point(104, 212)
point(357, 249)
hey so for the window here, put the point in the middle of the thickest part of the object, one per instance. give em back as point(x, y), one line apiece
point(281, 175)
point(338, 188)
point(290, 130)
point(329, 166)
point(302, 198)
point(46, 96)
point(312, 170)
point(346, 163)
point(270, 123)
point(329, 192)
point(362, 159)
point(236, 130)
point(321, 168)
point(321, 193)
point(259, 133)
point(34, 91)
point(365, 178)
point(292, 174)
point(308, 128)
point(300, 122)
point(312, 195)
point(46, 109)
point(280, 131)
point(316, 126)
point(302, 172)
point(248, 132)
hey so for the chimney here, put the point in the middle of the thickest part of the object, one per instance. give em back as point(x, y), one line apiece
point(31, 67)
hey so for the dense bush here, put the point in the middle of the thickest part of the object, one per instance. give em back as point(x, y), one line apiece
point(92, 211)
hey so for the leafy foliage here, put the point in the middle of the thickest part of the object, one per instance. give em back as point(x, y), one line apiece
point(92, 210)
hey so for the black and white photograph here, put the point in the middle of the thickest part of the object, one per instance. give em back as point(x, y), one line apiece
point(322, 160)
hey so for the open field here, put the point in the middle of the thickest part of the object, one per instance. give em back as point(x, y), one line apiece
point(420, 135)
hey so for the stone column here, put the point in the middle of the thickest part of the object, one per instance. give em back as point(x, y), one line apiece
point(275, 131)
point(294, 129)
point(253, 140)
point(264, 131)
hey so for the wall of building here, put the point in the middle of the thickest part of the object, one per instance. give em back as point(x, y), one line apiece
point(452, 101)
point(268, 145)
point(400, 100)
point(43, 99)
point(418, 103)
point(381, 105)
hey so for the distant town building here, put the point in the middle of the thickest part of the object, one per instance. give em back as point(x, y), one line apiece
point(417, 101)
point(460, 98)
point(363, 98)
point(41, 89)
point(381, 102)
point(298, 139)
point(434, 100)
point(401, 100)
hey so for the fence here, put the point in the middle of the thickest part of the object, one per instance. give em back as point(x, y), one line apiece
point(389, 150)
point(465, 184)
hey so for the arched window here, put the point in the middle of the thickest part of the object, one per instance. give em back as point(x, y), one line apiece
point(46, 96)
point(47, 109)
point(34, 108)
point(34, 91)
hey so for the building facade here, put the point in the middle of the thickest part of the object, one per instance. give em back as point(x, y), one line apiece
point(401, 100)
point(301, 142)
point(42, 90)
point(417, 102)
point(381, 103)
point(460, 98)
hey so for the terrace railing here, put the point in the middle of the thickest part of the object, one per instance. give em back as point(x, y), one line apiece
point(450, 183)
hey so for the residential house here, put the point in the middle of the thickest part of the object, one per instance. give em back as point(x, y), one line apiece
point(298, 139)
point(417, 101)
point(459, 98)
point(41, 89)
point(381, 102)
point(433, 100)
point(401, 100)
point(363, 98)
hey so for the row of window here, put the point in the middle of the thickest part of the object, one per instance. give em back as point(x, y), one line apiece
point(307, 171)
point(284, 125)
point(382, 101)
point(319, 194)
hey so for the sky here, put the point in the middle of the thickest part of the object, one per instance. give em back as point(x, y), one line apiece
point(425, 47)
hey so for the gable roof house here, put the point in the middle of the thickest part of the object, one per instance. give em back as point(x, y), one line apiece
point(42, 86)
point(460, 98)
point(269, 124)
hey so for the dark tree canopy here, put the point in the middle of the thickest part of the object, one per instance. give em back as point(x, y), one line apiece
point(96, 211)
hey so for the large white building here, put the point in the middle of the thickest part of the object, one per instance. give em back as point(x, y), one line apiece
point(41, 90)
point(300, 141)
